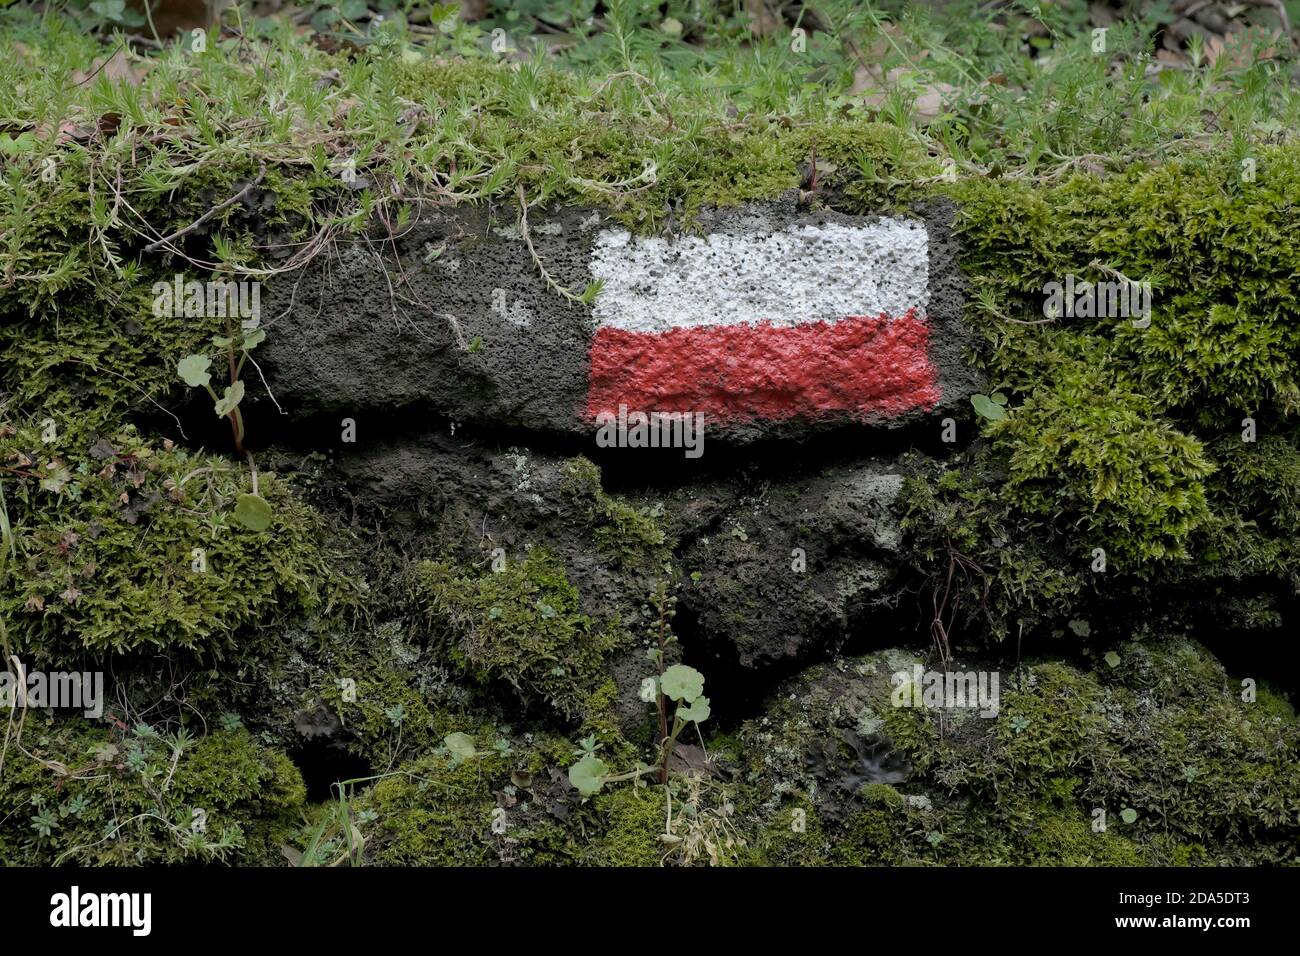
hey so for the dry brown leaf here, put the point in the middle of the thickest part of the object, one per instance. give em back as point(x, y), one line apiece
point(763, 21)
point(117, 68)
point(930, 104)
point(690, 759)
point(1245, 47)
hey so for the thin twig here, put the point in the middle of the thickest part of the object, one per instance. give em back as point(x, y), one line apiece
point(537, 259)
point(215, 210)
point(108, 59)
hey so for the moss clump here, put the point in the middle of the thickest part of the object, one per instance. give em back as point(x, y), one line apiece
point(82, 794)
point(522, 626)
point(961, 509)
point(1179, 769)
point(633, 536)
point(123, 543)
point(1092, 445)
point(1119, 426)
point(508, 803)
point(792, 836)
point(383, 715)
point(882, 795)
point(436, 811)
point(632, 821)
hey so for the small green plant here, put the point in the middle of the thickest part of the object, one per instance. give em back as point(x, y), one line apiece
point(251, 509)
point(992, 407)
point(679, 683)
point(194, 371)
point(336, 839)
point(103, 16)
point(45, 822)
point(679, 687)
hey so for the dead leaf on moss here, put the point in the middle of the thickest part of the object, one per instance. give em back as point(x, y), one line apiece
point(930, 104)
point(689, 759)
point(1244, 47)
point(118, 68)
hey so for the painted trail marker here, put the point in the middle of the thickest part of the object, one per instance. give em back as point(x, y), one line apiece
point(772, 322)
point(806, 321)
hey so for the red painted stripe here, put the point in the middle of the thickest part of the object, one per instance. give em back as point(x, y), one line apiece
point(867, 366)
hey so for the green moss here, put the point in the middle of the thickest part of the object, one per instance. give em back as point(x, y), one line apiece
point(385, 711)
point(883, 795)
point(1092, 446)
point(792, 836)
point(961, 508)
point(505, 805)
point(1163, 733)
point(521, 626)
point(632, 820)
point(970, 834)
point(435, 813)
point(440, 809)
point(123, 543)
point(633, 536)
point(1121, 428)
point(82, 794)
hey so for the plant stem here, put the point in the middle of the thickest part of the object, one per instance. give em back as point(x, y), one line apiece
point(236, 416)
point(662, 700)
point(237, 420)
point(236, 424)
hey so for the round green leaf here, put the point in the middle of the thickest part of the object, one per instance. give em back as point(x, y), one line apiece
point(462, 745)
point(1128, 815)
point(698, 710)
point(193, 370)
point(682, 683)
point(985, 407)
point(588, 775)
point(253, 512)
point(233, 395)
point(253, 339)
point(1112, 659)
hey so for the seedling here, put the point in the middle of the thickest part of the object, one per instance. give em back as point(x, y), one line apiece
point(251, 510)
point(992, 407)
point(679, 684)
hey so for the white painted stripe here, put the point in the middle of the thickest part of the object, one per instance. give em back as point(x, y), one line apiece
point(797, 275)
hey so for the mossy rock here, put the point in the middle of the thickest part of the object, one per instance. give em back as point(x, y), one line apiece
point(93, 796)
point(503, 801)
point(1076, 768)
point(520, 626)
point(124, 543)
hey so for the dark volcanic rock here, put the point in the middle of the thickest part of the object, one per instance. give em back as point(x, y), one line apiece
point(791, 568)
